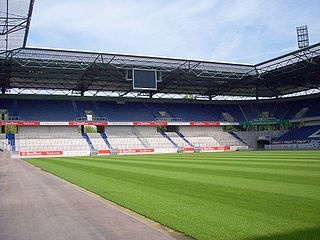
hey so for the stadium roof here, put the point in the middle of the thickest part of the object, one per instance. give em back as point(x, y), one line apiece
point(15, 17)
point(80, 71)
point(37, 68)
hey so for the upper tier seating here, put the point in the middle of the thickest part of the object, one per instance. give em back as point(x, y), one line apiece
point(300, 134)
point(48, 110)
point(70, 110)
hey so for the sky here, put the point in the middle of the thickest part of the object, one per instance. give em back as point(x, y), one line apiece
point(244, 31)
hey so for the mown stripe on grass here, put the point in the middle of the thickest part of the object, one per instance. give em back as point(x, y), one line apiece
point(211, 201)
point(292, 189)
point(262, 173)
point(202, 193)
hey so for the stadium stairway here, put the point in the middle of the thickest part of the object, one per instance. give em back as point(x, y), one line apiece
point(75, 108)
point(11, 141)
point(150, 110)
point(237, 137)
point(86, 137)
point(184, 138)
point(140, 137)
point(105, 139)
point(97, 110)
point(169, 138)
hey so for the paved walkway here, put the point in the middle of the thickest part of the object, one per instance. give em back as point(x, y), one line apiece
point(36, 205)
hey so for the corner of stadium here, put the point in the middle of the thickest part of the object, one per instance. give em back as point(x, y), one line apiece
point(69, 103)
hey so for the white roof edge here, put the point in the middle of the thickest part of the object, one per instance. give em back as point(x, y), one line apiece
point(140, 55)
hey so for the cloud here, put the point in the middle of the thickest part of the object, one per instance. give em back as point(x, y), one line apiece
point(252, 30)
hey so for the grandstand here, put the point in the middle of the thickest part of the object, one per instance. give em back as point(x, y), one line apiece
point(60, 130)
point(306, 137)
point(49, 97)
point(49, 109)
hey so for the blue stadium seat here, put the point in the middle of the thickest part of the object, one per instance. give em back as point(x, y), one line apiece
point(300, 134)
point(45, 110)
point(69, 110)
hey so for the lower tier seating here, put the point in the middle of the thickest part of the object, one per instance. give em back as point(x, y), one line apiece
point(31, 139)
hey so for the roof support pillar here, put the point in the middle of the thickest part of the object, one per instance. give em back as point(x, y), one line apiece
point(257, 102)
point(4, 76)
point(3, 127)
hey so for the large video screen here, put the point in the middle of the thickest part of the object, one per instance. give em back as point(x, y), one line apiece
point(144, 79)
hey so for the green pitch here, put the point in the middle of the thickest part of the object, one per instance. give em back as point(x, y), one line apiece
point(234, 195)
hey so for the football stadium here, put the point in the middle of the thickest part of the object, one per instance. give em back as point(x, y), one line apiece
point(173, 148)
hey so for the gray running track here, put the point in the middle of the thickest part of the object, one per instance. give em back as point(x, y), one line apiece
point(35, 205)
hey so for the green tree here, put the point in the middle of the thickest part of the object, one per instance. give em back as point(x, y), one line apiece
point(90, 129)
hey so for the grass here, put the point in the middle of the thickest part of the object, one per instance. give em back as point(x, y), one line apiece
point(224, 196)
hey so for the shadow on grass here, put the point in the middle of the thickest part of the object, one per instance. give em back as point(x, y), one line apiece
point(305, 234)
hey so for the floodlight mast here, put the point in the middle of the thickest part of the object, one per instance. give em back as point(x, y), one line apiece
point(302, 36)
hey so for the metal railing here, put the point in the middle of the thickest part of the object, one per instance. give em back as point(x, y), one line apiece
point(12, 118)
point(166, 119)
point(96, 119)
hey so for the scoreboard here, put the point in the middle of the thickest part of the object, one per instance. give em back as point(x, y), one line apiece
point(144, 79)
